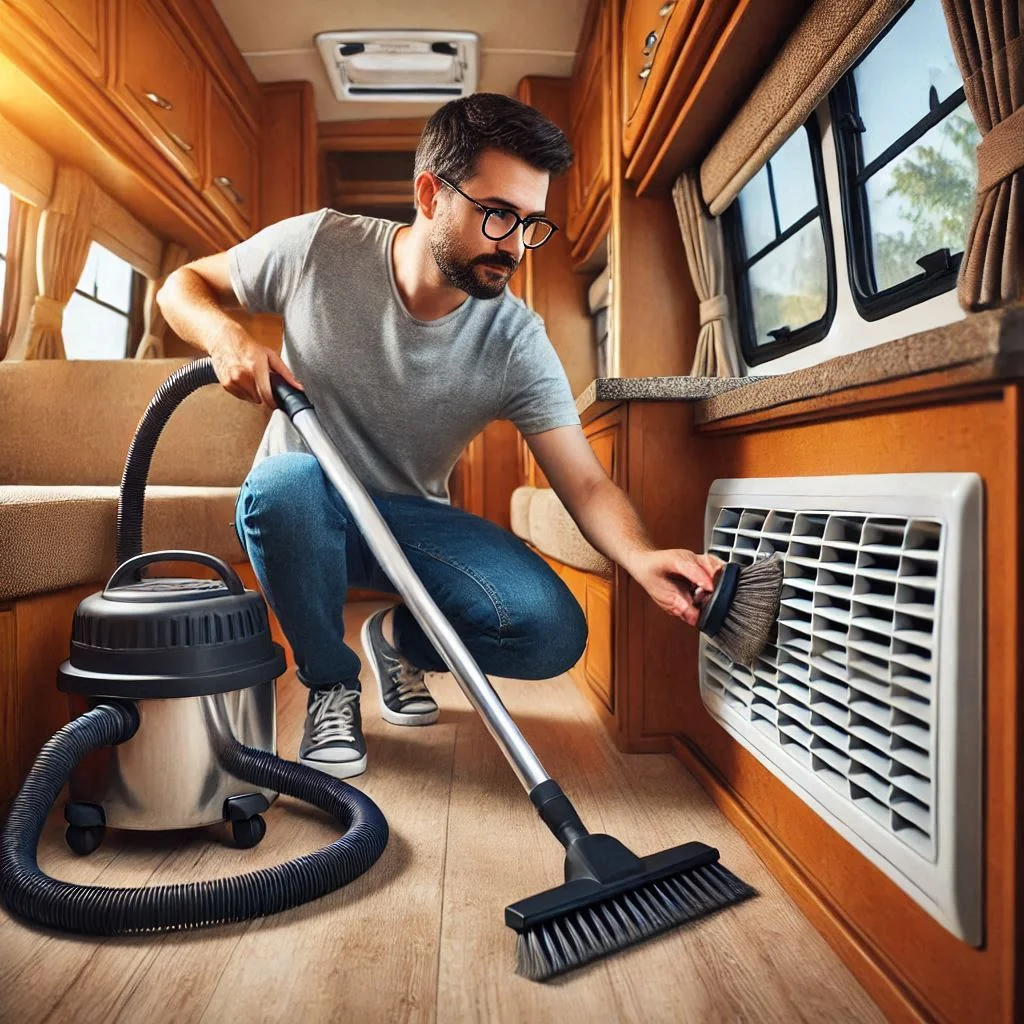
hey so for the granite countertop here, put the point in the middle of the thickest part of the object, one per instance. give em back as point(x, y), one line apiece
point(983, 346)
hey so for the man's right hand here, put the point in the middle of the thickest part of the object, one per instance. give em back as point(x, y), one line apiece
point(243, 367)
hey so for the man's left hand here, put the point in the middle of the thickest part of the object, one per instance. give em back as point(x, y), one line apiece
point(679, 581)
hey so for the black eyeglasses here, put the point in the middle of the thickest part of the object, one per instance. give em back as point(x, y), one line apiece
point(499, 223)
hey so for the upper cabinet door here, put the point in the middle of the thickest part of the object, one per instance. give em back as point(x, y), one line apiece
point(77, 27)
point(232, 177)
point(158, 78)
point(653, 33)
point(590, 173)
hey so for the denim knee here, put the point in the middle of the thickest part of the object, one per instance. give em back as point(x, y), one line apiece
point(283, 491)
point(553, 627)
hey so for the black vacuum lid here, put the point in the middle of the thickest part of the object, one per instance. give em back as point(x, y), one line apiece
point(170, 637)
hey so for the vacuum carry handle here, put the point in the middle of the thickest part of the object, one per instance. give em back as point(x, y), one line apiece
point(128, 572)
point(290, 400)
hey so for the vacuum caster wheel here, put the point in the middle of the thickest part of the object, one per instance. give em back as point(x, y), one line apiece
point(83, 840)
point(248, 832)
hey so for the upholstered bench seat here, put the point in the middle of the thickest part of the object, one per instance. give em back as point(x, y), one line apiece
point(62, 535)
point(539, 517)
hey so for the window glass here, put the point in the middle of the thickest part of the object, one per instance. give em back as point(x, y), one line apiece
point(96, 318)
point(894, 81)
point(780, 250)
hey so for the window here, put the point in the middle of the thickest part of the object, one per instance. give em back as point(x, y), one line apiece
point(906, 150)
point(5, 221)
point(97, 320)
point(782, 251)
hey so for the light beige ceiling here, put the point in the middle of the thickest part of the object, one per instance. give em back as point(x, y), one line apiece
point(517, 38)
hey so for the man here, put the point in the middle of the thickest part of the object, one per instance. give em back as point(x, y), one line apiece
point(408, 343)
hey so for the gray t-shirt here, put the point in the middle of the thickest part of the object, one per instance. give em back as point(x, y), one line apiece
point(399, 397)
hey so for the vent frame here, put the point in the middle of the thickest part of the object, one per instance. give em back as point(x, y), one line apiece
point(411, 90)
point(945, 875)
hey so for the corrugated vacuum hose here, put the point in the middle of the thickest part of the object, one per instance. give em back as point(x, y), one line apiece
point(99, 910)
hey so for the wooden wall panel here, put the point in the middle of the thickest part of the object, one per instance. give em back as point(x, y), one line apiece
point(865, 915)
point(10, 774)
point(288, 183)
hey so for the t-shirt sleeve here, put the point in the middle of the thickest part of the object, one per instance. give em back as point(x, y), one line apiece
point(266, 268)
point(536, 395)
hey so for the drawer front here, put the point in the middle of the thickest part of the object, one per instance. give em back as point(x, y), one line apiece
point(653, 34)
point(77, 28)
point(232, 178)
point(159, 81)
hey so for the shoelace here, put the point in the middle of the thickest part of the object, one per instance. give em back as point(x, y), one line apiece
point(333, 716)
point(408, 680)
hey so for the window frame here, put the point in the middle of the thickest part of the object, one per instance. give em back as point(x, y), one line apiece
point(740, 263)
point(847, 127)
point(131, 315)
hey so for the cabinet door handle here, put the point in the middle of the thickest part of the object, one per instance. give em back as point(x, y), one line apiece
point(645, 71)
point(666, 8)
point(158, 101)
point(649, 43)
point(179, 141)
point(225, 183)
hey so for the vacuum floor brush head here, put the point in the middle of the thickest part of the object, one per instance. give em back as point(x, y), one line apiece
point(613, 899)
point(743, 608)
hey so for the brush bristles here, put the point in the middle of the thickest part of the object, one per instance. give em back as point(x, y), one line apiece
point(568, 942)
point(754, 609)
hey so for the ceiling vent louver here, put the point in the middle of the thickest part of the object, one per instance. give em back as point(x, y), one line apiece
point(400, 66)
point(867, 702)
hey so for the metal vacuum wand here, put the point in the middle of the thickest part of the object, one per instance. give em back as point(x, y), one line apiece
point(389, 554)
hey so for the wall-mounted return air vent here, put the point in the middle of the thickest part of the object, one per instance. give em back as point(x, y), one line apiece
point(400, 66)
point(868, 701)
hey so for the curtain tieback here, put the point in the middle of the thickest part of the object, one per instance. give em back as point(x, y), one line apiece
point(47, 313)
point(1001, 151)
point(715, 308)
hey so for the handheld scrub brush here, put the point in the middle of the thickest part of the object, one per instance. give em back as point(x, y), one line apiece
point(741, 611)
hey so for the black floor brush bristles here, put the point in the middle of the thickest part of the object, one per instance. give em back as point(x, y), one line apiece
point(564, 943)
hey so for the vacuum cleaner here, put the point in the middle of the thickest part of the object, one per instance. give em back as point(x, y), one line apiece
point(175, 680)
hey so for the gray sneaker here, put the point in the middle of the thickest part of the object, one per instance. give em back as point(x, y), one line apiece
point(332, 740)
point(404, 697)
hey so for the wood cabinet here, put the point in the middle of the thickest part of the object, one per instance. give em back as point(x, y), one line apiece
point(653, 32)
point(590, 175)
point(231, 180)
point(158, 79)
point(78, 28)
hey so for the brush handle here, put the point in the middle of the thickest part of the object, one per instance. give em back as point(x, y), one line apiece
point(392, 560)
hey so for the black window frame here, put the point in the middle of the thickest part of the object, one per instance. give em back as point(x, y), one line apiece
point(940, 268)
point(740, 263)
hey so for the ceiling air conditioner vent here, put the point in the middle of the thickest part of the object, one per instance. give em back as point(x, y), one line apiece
point(400, 66)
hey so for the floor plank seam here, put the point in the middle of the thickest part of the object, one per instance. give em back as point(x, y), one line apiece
point(444, 869)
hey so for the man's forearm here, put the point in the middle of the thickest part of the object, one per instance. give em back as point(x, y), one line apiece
point(609, 521)
point(192, 311)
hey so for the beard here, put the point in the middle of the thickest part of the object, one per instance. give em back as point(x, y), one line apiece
point(461, 269)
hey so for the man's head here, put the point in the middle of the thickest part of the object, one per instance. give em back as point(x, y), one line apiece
point(491, 150)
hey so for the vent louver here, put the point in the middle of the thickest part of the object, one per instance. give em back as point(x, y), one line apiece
point(867, 700)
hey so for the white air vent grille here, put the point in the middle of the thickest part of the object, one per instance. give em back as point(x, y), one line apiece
point(867, 700)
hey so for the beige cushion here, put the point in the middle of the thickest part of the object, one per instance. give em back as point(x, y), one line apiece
point(540, 518)
point(55, 537)
point(519, 512)
point(71, 422)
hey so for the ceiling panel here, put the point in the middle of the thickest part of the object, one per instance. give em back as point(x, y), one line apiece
point(276, 38)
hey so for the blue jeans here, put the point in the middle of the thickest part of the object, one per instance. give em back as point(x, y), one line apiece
point(516, 617)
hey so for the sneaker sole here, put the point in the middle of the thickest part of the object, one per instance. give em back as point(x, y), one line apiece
point(337, 769)
point(394, 717)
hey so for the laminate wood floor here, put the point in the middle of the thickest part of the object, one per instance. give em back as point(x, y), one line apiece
point(421, 936)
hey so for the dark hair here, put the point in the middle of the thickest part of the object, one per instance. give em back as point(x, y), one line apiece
point(456, 135)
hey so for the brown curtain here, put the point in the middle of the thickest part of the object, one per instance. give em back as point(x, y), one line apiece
point(65, 231)
point(17, 225)
point(152, 344)
point(705, 253)
point(987, 42)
